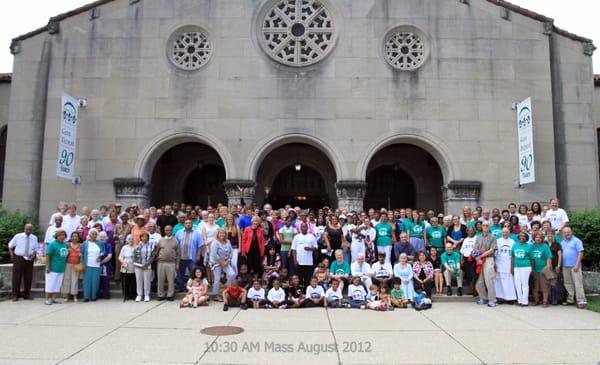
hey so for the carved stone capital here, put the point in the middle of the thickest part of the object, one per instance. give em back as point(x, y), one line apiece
point(234, 195)
point(53, 26)
point(588, 49)
point(351, 194)
point(548, 28)
point(15, 46)
point(459, 190)
point(130, 190)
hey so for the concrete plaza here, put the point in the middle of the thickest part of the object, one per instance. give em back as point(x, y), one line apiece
point(113, 332)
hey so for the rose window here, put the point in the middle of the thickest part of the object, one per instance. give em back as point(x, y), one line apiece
point(190, 49)
point(297, 32)
point(404, 50)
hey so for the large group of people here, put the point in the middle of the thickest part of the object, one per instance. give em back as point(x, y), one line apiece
point(260, 257)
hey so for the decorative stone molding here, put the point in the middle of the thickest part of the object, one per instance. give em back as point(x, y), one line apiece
point(129, 190)
point(351, 194)
point(15, 47)
point(233, 194)
point(297, 32)
point(53, 26)
point(462, 190)
point(588, 49)
point(548, 28)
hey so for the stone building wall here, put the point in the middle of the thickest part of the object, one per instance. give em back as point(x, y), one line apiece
point(456, 105)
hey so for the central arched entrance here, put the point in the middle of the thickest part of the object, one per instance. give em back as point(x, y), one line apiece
point(297, 174)
point(404, 176)
point(189, 172)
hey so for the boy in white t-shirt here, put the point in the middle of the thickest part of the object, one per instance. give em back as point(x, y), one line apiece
point(314, 294)
point(276, 295)
point(357, 294)
point(256, 296)
point(333, 296)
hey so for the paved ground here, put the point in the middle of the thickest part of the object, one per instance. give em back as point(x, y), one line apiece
point(113, 332)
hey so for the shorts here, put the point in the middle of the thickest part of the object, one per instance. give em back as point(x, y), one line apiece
point(54, 281)
point(540, 284)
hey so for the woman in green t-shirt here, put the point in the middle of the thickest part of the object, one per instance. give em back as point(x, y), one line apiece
point(57, 253)
point(542, 259)
point(521, 262)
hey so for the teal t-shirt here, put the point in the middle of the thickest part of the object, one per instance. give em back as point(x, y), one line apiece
point(435, 236)
point(339, 269)
point(178, 227)
point(496, 230)
point(384, 234)
point(220, 222)
point(522, 254)
point(414, 229)
point(540, 255)
point(57, 253)
point(471, 223)
point(514, 236)
point(451, 260)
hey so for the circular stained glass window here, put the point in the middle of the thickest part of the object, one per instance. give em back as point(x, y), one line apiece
point(405, 48)
point(297, 32)
point(189, 48)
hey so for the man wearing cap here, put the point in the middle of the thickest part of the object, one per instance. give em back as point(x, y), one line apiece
point(138, 228)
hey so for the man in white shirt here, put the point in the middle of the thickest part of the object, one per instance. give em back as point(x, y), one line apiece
point(71, 221)
point(22, 248)
point(49, 237)
point(62, 211)
point(361, 269)
point(154, 235)
point(382, 271)
point(557, 216)
point(302, 249)
point(362, 236)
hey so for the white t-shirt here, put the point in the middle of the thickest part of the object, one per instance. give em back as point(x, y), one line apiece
point(93, 254)
point(50, 233)
point(255, 295)
point(333, 295)
point(382, 270)
point(557, 218)
point(299, 243)
point(52, 221)
point(314, 293)
point(70, 224)
point(467, 246)
point(276, 295)
point(155, 238)
point(360, 270)
point(357, 292)
point(503, 254)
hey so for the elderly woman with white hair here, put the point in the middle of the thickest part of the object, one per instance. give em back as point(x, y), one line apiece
point(127, 271)
point(105, 265)
point(403, 270)
point(93, 254)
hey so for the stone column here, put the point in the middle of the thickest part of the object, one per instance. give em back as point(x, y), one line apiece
point(132, 190)
point(459, 193)
point(233, 194)
point(351, 194)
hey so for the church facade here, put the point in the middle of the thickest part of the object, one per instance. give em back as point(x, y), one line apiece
point(370, 103)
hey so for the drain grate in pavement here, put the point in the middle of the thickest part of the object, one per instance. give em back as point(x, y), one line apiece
point(222, 330)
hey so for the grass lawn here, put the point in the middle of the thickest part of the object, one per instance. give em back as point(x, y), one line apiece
point(594, 303)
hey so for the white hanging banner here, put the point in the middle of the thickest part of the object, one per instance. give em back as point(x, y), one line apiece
point(525, 136)
point(67, 138)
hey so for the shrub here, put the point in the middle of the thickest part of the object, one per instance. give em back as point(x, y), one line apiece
point(12, 223)
point(586, 226)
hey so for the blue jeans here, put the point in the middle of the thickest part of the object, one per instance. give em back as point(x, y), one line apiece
point(285, 262)
point(183, 265)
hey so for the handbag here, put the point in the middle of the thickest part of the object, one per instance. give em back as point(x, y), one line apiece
point(78, 267)
point(548, 274)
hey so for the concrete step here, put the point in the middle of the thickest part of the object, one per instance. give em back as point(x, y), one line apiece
point(114, 294)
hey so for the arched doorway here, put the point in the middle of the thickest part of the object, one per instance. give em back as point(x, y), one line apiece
point(297, 174)
point(389, 186)
point(3, 134)
point(402, 176)
point(189, 172)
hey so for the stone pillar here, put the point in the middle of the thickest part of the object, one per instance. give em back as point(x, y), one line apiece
point(233, 194)
point(458, 194)
point(351, 194)
point(132, 190)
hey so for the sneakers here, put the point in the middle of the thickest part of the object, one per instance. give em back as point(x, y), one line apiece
point(481, 302)
point(283, 306)
point(160, 299)
point(449, 292)
point(47, 302)
point(244, 306)
point(459, 291)
point(75, 299)
point(268, 306)
point(138, 298)
point(147, 298)
point(492, 304)
point(225, 307)
point(363, 307)
point(195, 305)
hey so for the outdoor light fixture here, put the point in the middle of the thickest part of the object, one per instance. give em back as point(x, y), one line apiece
point(267, 190)
point(298, 167)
